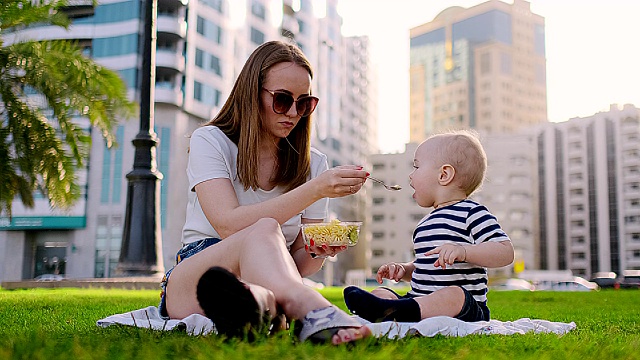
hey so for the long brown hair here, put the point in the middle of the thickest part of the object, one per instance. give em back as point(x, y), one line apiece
point(241, 120)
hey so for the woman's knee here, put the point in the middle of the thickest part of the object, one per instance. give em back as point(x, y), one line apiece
point(268, 229)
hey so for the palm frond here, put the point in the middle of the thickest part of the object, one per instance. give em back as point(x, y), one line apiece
point(41, 152)
point(21, 13)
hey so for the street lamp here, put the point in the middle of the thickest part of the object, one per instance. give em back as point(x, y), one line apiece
point(141, 250)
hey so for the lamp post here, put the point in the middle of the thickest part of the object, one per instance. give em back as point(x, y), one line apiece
point(141, 251)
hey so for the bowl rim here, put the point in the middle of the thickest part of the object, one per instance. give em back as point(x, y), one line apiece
point(353, 223)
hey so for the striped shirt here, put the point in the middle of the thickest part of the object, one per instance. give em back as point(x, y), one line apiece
point(463, 223)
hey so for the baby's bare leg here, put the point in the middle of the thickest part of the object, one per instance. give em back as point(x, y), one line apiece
point(444, 302)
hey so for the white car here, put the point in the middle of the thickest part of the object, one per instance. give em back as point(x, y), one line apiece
point(514, 284)
point(577, 284)
point(49, 277)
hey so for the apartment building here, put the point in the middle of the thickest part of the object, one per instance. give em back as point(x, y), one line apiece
point(589, 192)
point(201, 47)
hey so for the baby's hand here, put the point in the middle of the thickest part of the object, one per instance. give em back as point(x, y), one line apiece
point(449, 253)
point(392, 271)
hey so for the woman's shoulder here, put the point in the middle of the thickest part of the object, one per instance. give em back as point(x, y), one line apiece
point(317, 154)
point(208, 131)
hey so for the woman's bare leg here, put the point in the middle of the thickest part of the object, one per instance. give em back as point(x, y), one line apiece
point(258, 255)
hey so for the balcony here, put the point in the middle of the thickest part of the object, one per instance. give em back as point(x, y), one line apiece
point(171, 27)
point(77, 9)
point(169, 59)
point(166, 93)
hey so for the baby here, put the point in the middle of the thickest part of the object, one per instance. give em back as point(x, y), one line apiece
point(454, 244)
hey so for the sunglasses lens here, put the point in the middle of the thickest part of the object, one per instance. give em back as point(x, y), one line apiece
point(306, 105)
point(282, 103)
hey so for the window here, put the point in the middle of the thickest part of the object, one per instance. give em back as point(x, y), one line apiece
point(517, 215)
point(416, 217)
point(108, 242)
point(206, 94)
point(505, 63)
point(258, 10)
point(631, 219)
point(257, 37)
point(577, 239)
point(377, 252)
point(485, 63)
point(214, 4)
point(378, 201)
point(209, 30)
point(208, 62)
point(378, 217)
point(115, 46)
point(377, 235)
point(577, 208)
point(577, 223)
point(577, 256)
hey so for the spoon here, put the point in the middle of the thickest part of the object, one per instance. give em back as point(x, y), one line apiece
point(392, 187)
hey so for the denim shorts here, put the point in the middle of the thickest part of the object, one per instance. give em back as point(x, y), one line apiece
point(186, 251)
point(472, 310)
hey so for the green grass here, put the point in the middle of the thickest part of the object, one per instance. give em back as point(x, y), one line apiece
point(61, 324)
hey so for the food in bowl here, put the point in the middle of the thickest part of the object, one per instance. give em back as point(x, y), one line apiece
point(334, 233)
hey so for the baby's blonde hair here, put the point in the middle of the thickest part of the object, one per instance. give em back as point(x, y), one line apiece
point(462, 150)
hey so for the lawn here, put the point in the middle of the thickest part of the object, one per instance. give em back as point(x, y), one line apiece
point(61, 324)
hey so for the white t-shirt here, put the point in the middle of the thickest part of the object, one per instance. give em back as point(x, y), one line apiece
point(212, 155)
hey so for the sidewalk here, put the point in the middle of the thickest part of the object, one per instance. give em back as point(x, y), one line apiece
point(129, 283)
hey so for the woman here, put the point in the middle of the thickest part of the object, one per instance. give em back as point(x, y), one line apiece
point(253, 179)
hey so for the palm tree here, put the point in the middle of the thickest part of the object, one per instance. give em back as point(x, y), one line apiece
point(44, 87)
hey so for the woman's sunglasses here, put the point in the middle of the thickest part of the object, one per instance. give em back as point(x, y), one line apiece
point(282, 103)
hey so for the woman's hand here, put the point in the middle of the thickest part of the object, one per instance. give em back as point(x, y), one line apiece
point(341, 181)
point(323, 251)
point(392, 271)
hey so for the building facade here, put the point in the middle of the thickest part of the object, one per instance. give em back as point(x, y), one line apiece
point(481, 68)
point(589, 193)
point(201, 47)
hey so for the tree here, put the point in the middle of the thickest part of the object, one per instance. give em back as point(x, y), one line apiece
point(41, 146)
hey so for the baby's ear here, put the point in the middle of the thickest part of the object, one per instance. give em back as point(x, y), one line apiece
point(447, 173)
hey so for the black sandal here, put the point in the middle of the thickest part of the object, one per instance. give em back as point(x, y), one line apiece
point(229, 303)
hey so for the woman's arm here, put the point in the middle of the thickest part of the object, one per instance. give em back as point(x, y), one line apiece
point(220, 203)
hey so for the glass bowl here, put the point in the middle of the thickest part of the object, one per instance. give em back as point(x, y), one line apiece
point(334, 233)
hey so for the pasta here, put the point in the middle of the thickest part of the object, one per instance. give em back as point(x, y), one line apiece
point(334, 233)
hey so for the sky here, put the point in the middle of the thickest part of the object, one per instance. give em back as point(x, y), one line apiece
point(592, 51)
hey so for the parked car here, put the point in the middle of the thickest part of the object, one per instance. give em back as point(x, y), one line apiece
point(630, 279)
point(605, 279)
point(577, 284)
point(514, 284)
point(49, 277)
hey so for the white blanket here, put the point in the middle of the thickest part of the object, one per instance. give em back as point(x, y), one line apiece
point(200, 325)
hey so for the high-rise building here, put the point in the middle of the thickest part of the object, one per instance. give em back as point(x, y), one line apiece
point(481, 68)
point(201, 47)
point(589, 193)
